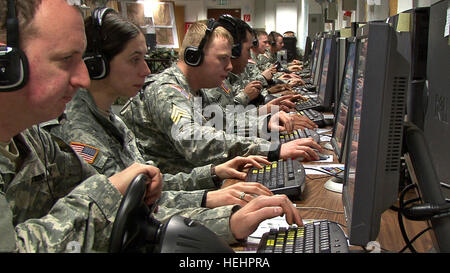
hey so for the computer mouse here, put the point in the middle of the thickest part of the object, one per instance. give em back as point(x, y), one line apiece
point(323, 156)
point(328, 146)
point(333, 185)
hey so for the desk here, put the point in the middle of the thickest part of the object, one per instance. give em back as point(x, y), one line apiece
point(315, 196)
point(390, 237)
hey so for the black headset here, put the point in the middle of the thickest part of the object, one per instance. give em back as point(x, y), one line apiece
point(14, 69)
point(237, 30)
point(272, 38)
point(193, 55)
point(96, 62)
point(255, 42)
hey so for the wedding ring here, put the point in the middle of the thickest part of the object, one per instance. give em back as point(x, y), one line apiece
point(242, 196)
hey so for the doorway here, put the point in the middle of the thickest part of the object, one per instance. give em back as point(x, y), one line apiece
point(215, 13)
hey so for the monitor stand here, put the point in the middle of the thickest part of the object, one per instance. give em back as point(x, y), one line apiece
point(335, 184)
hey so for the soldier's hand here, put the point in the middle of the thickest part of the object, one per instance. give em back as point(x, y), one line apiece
point(268, 73)
point(303, 147)
point(122, 179)
point(245, 221)
point(237, 194)
point(279, 88)
point(302, 122)
point(281, 121)
point(233, 168)
point(296, 62)
point(296, 82)
point(253, 89)
point(295, 68)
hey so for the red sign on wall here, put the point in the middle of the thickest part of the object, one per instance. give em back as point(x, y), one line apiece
point(186, 26)
point(247, 18)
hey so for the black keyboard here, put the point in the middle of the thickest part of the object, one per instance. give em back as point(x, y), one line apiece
point(281, 177)
point(303, 91)
point(299, 133)
point(309, 87)
point(304, 73)
point(315, 116)
point(317, 237)
point(308, 81)
point(308, 104)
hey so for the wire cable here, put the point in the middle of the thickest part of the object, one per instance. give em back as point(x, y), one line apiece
point(400, 216)
point(325, 209)
point(413, 239)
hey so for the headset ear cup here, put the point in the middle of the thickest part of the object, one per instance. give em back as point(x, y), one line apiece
point(193, 56)
point(14, 70)
point(236, 51)
point(97, 65)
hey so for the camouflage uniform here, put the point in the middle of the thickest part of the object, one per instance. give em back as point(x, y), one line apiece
point(84, 124)
point(171, 130)
point(71, 205)
point(264, 61)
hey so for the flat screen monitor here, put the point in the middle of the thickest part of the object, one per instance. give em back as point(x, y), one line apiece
point(318, 66)
point(420, 20)
point(308, 50)
point(437, 117)
point(317, 45)
point(341, 49)
point(372, 170)
point(328, 72)
point(290, 45)
point(340, 128)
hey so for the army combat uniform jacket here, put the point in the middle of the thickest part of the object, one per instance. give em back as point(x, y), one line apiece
point(51, 200)
point(171, 130)
point(84, 125)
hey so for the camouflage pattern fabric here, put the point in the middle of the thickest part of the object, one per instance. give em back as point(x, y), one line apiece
point(71, 206)
point(264, 61)
point(171, 130)
point(85, 124)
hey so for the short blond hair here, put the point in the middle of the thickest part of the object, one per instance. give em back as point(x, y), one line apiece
point(196, 32)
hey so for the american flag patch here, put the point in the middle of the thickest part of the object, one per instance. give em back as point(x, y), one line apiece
point(225, 87)
point(181, 90)
point(87, 152)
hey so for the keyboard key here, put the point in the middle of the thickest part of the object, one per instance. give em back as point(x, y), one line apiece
point(311, 238)
point(280, 177)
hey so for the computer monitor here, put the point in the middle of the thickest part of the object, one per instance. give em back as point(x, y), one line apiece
point(420, 19)
point(341, 48)
point(308, 50)
point(372, 170)
point(338, 140)
point(315, 59)
point(290, 45)
point(437, 117)
point(427, 145)
point(328, 72)
point(318, 66)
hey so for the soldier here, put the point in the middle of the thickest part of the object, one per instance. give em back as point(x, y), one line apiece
point(168, 117)
point(270, 57)
point(49, 197)
point(89, 122)
point(220, 96)
point(254, 63)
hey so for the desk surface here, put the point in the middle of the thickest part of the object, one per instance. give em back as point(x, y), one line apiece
point(320, 203)
point(390, 238)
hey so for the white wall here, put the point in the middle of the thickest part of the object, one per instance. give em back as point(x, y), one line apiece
point(195, 10)
point(379, 11)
